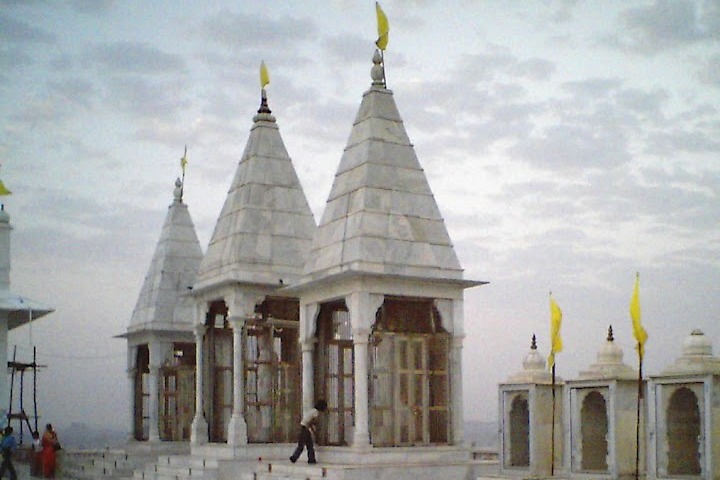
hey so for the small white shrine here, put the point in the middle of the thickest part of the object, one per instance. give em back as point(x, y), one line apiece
point(526, 418)
point(160, 341)
point(684, 415)
point(602, 428)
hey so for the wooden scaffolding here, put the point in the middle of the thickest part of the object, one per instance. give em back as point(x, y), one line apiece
point(17, 375)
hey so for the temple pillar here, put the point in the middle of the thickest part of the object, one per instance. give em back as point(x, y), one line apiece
point(237, 429)
point(199, 427)
point(308, 323)
point(157, 352)
point(361, 435)
point(456, 391)
point(362, 306)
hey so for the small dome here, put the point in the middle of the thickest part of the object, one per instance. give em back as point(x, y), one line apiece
point(609, 363)
point(697, 357)
point(533, 368)
point(697, 344)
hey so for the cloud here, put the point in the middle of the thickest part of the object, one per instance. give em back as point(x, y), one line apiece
point(667, 24)
point(134, 58)
point(709, 73)
point(347, 48)
point(16, 31)
point(240, 32)
point(92, 6)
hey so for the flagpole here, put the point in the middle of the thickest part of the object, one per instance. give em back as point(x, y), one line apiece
point(552, 427)
point(637, 423)
point(382, 59)
point(182, 184)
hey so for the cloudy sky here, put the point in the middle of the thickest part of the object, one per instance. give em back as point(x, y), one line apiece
point(569, 145)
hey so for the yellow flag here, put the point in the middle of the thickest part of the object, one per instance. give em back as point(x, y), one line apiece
point(638, 331)
point(264, 75)
point(555, 339)
point(383, 27)
point(183, 160)
point(3, 189)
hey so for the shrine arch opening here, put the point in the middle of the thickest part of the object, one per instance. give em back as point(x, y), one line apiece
point(593, 433)
point(683, 433)
point(519, 419)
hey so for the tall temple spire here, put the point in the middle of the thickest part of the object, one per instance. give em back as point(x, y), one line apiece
point(381, 216)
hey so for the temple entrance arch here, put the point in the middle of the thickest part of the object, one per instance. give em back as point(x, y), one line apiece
point(334, 379)
point(272, 375)
point(683, 433)
point(141, 395)
point(593, 432)
point(409, 356)
point(519, 432)
point(218, 350)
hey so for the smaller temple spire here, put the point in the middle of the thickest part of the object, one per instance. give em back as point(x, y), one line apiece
point(533, 344)
point(610, 337)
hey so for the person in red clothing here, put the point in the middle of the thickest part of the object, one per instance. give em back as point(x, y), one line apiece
point(50, 445)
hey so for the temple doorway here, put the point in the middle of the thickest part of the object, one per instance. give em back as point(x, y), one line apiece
point(272, 374)
point(683, 433)
point(177, 393)
point(409, 375)
point(334, 379)
point(141, 395)
point(218, 350)
point(593, 431)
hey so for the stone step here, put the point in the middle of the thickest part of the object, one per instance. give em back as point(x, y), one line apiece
point(291, 471)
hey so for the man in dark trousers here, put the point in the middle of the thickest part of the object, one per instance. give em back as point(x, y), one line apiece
point(7, 447)
point(307, 430)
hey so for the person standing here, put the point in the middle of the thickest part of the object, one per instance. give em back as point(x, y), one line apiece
point(50, 446)
point(7, 447)
point(36, 456)
point(308, 425)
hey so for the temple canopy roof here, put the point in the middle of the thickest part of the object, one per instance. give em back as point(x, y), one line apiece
point(162, 302)
point(21, 310)
point(264, 230)
point(381, 216)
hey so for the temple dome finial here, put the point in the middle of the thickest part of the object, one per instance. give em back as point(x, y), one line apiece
point(264, 113)
point(177, 193)
point(377, 73)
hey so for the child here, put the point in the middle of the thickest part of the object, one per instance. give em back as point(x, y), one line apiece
point(7, 447)
point(307, 431)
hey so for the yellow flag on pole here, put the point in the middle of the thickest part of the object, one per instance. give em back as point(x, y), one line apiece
point(383, 27)
point(264, 75)
point(3, 189)
point(183, 160)
point(638, 331)
point(556, 344)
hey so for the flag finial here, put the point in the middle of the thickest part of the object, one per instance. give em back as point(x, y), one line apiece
point(610, 337)
point(181, 186)
point(533, 343)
